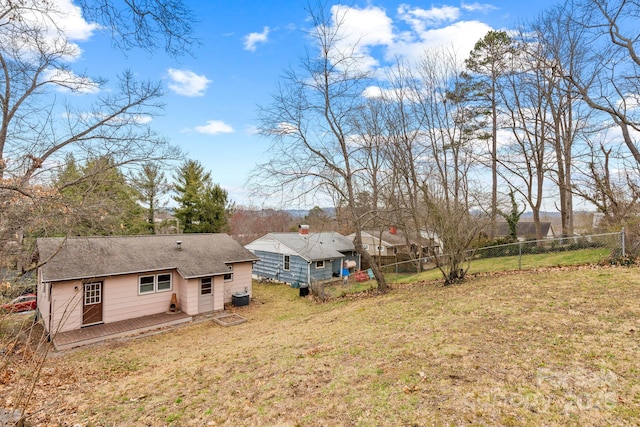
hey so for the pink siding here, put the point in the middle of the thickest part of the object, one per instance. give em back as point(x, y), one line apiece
point(180, 288)
point(43, 300)
point(218, 293)
point(121, 300)
point(66, 306)
point(189, 295)
point(241, 280)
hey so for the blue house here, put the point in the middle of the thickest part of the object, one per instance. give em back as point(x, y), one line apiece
point(303, 257)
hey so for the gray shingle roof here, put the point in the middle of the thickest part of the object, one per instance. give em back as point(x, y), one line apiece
point(87, 257)
point(316, 246)
point(523, 228)
point(392, 240)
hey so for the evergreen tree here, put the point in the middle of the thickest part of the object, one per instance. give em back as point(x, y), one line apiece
point(97, 200)
point(151, 184)
point(488, 61)
point(214, 210)
point(202, 206)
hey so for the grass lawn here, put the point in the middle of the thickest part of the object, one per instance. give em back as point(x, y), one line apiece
point(559, 347)
point(510, 263)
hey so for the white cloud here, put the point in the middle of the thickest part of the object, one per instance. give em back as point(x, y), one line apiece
point(461, 36)
point(251, 40)
point(187, 83)
point(284, 129)
point(478, 7)
point(67, 81)
point(71, 22)
point(373, 92)
point(58, 24)
point(214, 127)
point(361, 30)
point(419, 19)
point(630, 102)
point(122, 119)
point(370, 36)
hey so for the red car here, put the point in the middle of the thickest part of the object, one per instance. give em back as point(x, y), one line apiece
point(24, 302)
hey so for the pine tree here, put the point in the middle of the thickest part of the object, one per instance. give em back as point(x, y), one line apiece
point(151, 184)
point(202, 206)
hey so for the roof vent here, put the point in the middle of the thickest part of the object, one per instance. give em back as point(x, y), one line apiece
point(179, 244)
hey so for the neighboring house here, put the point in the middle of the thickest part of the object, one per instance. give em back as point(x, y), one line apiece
point(525, 230)
point(303, 257)
point(392, 242)
point(88, 281)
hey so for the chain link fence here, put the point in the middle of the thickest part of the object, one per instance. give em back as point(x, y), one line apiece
point(531, 254)
point(524, 255)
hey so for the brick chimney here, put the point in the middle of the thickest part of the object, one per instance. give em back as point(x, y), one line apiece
point(303, 229)
point(393, 229)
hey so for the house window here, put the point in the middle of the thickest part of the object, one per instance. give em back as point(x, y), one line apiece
point(147, 284)
point(228, 277)
point(154, 283)
point(365, 246)
point(320, 264)
point(380, 248)
point(92, 294)
point(205, 286)
point(164, 282)
point(286, 263)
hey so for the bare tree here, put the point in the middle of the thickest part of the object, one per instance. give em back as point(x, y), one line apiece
point(39, 127)
point(527, 159)
point(37, 130)
point(611, 184)
point(388, 127)
point(560, 48)
point(248, 223)
point(146, 24)
point(370, 135)
point(608, 31)
point(310, 122)
point(453, 134)
point(405, 151)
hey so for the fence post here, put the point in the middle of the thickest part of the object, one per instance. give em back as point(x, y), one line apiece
point(520, 256)
point(623, 243)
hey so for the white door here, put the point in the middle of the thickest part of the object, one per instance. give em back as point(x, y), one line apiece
point(205, 297)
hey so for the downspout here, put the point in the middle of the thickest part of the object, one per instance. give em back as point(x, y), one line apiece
point(309, 273)
point(50, 311)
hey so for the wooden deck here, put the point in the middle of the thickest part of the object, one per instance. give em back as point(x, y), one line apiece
point(97, 333)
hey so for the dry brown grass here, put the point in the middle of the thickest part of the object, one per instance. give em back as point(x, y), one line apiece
point(559, 347)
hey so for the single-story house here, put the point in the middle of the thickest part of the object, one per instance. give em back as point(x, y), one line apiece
point(303, 257)
point(392, 241)
point(85, 281)
point(525, 230)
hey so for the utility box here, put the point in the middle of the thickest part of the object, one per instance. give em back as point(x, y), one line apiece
point(240, 299)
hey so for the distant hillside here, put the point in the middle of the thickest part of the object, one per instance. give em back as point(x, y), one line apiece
point(301, 213)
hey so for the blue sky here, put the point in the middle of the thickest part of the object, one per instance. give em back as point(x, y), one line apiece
point(212, 97)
